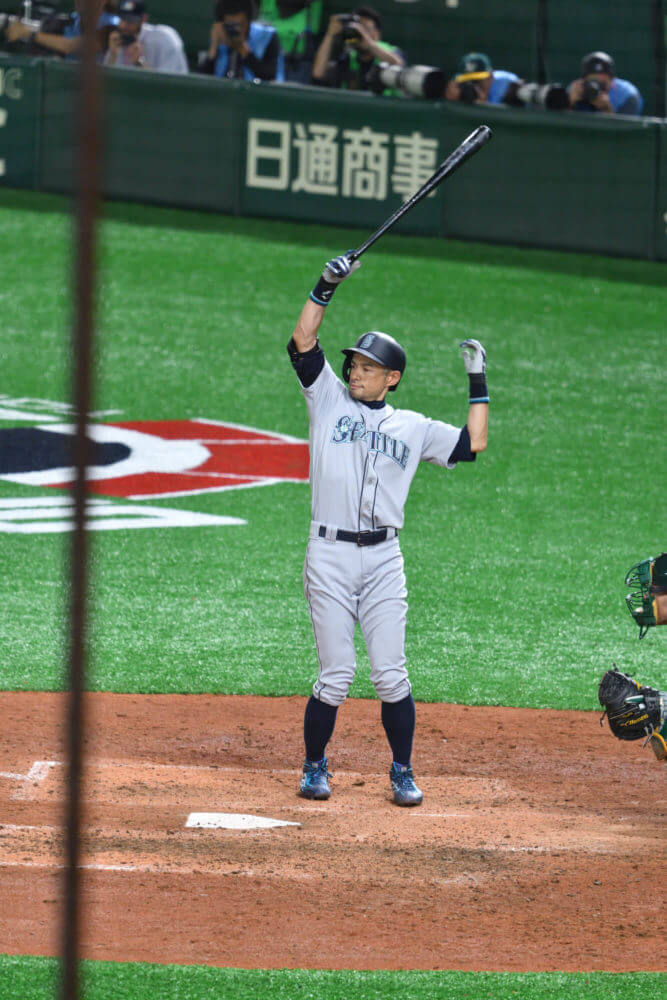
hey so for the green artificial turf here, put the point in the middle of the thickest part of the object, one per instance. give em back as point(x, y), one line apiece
point(515, 565)
point(38, 979)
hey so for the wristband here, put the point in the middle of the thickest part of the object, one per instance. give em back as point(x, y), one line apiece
point(479, 392)
point(322, 292)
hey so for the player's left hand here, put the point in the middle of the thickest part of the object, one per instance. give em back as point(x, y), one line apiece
point(634, 711)
point(339, 268)
point(474, 357)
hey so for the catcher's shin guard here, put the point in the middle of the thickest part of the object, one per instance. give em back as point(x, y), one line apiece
point(658, 742)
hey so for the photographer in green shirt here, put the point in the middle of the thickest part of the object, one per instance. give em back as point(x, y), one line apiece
point(351, 45)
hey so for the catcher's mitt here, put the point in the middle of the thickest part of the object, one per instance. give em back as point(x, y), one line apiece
point(633, 710)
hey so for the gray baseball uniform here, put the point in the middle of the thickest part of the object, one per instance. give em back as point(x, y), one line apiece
point(363, 457)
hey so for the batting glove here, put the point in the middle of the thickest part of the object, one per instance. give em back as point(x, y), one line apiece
point(474, 357)
point(334, 272)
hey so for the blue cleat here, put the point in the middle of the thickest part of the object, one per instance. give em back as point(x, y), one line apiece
point(403, 786)
point(314, 784)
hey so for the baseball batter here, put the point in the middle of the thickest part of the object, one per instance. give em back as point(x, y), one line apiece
point(363, 456)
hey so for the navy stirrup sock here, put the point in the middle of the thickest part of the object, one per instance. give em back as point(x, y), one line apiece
point(318, 727)
point(398, 719)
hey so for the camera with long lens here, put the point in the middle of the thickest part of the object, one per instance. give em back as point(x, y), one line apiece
point(548, 96)
point(591, 90)
point(351, 23)
point(427, 82)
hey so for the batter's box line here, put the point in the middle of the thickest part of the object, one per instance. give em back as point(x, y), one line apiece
point(37, 773)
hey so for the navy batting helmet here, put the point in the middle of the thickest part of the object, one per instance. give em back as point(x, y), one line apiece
point(378, 347)
point(597, 62)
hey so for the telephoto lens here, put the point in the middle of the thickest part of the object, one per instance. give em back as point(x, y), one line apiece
point(426, 82)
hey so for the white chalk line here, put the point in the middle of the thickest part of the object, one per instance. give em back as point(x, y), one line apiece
point(213, 768)
point(162, 870)
point(37, 772)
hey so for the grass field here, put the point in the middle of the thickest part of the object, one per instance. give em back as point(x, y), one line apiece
point(36, 979)
point(515, 565)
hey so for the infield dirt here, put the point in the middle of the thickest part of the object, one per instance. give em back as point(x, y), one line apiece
point(534, 850)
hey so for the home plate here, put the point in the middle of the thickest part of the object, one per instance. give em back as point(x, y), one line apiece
point(234, 821)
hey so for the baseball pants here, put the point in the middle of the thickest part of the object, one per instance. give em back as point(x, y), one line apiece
point(344, 584)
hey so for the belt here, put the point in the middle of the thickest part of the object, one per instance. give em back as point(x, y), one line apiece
point(358, 537)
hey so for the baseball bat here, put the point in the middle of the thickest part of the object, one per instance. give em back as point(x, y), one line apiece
point(468, 148)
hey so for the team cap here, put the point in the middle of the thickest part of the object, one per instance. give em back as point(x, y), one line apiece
point(474, 66)
point(131, 10)
point(597, 62)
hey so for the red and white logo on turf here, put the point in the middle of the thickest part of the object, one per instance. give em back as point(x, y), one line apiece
point(157, 458)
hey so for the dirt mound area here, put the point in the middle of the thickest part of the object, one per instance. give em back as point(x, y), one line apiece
point(524, 855)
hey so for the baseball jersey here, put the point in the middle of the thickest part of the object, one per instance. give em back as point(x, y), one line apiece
point(363, 456)
point(500, 84)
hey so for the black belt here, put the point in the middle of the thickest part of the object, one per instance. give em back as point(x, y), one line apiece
point(359, 537)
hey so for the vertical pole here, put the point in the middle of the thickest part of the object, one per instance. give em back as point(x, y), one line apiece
point(660, 52)
point(82, 354)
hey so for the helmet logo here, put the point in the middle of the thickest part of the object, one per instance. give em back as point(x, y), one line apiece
point(367, 342)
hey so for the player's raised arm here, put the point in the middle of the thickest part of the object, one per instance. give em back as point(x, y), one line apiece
point(335, 271)
point(474, 359)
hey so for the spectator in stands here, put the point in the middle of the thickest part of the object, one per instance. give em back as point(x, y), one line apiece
point(139, 44)
point(598, 89)
point(297, 23)
point(67, 44)
point(351, 46)
point(477, 82)
point(240, 48)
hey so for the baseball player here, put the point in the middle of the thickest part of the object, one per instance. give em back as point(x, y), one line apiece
point(363, 456)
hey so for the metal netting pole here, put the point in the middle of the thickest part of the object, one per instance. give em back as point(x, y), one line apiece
point(88, 141)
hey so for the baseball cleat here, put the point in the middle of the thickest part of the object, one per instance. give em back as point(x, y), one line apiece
point(314, 784)
point(403, 786)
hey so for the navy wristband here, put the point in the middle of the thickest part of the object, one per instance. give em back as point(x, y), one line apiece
point(322, 292)
point(479, 392)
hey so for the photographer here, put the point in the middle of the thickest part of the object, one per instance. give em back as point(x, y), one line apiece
point(351, 45)
point(139, 44)
point(598, 89)
point(476, 82)
point(67, 44)
point(240, 48)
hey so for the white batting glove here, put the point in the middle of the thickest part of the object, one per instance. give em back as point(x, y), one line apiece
point(339, 268)
point(334, 272)
point(474, 357)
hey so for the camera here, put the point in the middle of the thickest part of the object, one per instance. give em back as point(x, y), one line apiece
point(427, 82)
point(550, 96)
point(592, 90)
point(232, 29)
point(127, 40)
point(468, 92)
point(350, 24)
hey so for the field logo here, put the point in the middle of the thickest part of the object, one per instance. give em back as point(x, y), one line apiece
point(143, 460)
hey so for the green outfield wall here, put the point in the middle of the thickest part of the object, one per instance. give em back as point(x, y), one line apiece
point(557, 180)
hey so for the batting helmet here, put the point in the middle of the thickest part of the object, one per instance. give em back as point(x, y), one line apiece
point(378, 347)
point(597, 62)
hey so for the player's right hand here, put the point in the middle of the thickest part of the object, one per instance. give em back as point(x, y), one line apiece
point(340, 268)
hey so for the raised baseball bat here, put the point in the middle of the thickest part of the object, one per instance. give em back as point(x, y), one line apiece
point(468, 148)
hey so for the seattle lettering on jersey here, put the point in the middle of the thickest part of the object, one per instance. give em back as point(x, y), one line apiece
point(348, 430)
